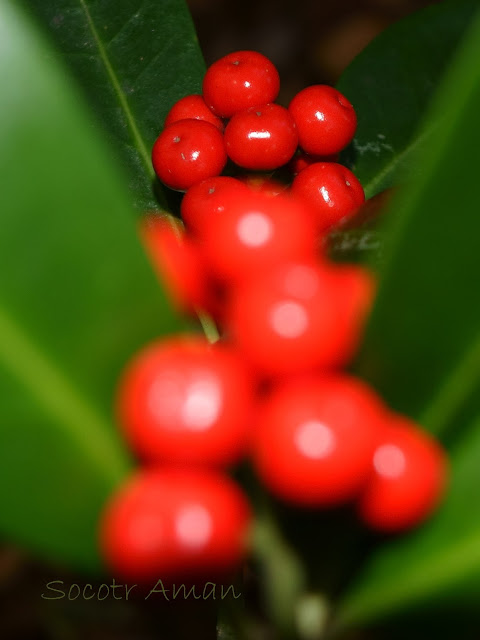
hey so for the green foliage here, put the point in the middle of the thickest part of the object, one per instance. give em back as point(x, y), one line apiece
point(77, 298)
point(422, 352)
point(133, 59)
point(391, 84)
point(439, 564)
point(422, 346)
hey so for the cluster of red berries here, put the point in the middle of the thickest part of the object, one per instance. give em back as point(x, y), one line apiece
point(261, 135)
point(272, 388)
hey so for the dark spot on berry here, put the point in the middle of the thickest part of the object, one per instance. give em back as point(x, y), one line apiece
point(176, 139)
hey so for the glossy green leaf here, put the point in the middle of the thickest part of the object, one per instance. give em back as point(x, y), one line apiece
point(391, 84)
point(77, 298)
point(134, 59)
point(422, 351)
point(422, 344)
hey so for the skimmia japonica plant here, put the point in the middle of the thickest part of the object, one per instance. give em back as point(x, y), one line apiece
point(225, 355)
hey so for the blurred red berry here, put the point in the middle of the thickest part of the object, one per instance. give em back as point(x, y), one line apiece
point(205, 201)
point(173, 523)
point(256, 232)
point(183, 400)
point(188, 151)
point(297, 317)
point(177, 262)
point(314, 439)
point(326, 121)
point(407, 479)
point(238, 81)
point(261, 138)
point(354, 289)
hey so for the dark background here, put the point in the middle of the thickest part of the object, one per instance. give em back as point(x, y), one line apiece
point(310, 41)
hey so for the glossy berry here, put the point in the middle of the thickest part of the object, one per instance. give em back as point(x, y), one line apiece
point(302, 160)
point(315, 437)
point(205, 201)
point(192, 107)
point(261, 138)
point(295, 318)
point(174, 523)
point(188, 151)
point(331, 190)
point(407, 479)
point(238, 81)
point(183, 400)
point(326, 120)
point(256, 232)
point(177, 261)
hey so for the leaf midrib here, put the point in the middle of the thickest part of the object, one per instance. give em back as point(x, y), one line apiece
point(396, 160)
point(208, 325)
point(458, 386)
point(53, 391)
point(121, 97)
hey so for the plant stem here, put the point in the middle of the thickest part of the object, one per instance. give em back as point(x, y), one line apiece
point(208, 325)
point(284, 574)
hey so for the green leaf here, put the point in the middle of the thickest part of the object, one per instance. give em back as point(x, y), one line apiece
point(422, 348)
point(439, 562)
point(391, 84)
point(422, 351)
point(77, 298)
point(134, 59)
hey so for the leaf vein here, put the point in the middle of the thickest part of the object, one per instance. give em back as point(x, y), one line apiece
point(390, 167)
point(139, 142)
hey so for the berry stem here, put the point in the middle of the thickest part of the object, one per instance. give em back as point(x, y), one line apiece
point(208, 325)
point(284, 574)
point(312, 614)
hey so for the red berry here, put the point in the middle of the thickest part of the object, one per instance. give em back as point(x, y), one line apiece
point(355, 289)
point(294, 319)
point(192, 107)
point(183, 400)
point(238, 81)
point(207, 200)
point(407, 478)
point(302, 160)
point(188, 151)
point(261, 138)
point(177, 262)
point(173, 523)
point(255, 232)
point(325, 119)
point(264, 185)
point(332, 192)
point(314, 439)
